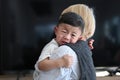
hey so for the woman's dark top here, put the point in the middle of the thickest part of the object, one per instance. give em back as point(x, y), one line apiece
point(84, 54)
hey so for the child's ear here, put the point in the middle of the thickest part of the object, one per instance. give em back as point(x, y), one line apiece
point(55, 29)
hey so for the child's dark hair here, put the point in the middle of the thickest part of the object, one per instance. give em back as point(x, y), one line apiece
point(73, 19)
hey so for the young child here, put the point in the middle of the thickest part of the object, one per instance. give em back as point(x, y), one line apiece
point(53, 64)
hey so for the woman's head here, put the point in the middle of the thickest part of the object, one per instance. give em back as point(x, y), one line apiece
point(87, 15)
point(69, 28)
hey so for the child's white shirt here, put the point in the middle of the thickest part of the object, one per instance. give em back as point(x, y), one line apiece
point(53, 51)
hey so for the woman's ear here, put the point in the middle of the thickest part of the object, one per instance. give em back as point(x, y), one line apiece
point(80, 38)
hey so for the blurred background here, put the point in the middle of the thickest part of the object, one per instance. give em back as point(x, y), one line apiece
point(27, 25)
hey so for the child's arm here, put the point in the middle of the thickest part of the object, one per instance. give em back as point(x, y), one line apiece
point(49, 64)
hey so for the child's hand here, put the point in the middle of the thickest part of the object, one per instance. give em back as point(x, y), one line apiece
point(68, 60)
point(90, 43)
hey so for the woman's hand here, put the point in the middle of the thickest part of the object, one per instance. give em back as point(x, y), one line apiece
point(90, 43)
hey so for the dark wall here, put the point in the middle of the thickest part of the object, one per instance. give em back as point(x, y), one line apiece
point(17, 33)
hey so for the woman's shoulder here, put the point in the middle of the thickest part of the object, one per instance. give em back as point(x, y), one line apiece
point(65, 48)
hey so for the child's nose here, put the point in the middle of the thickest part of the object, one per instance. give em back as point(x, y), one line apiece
point(67, 36)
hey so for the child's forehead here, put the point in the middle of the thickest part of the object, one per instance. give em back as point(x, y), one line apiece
point(68, 26)
point(63, 25)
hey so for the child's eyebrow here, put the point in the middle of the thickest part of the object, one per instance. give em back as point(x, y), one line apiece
point(74, 33)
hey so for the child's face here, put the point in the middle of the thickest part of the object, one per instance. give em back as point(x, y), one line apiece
point(66, 33)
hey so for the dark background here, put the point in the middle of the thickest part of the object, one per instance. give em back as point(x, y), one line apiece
point(27, 25)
